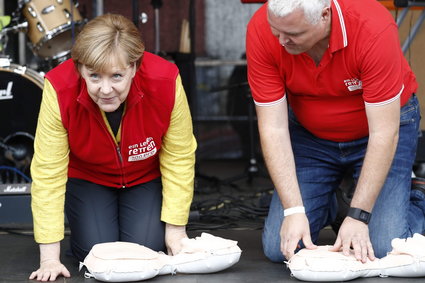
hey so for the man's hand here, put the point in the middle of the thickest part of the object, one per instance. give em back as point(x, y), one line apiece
point(49, 270)
point(295, 228)
point(355, 234)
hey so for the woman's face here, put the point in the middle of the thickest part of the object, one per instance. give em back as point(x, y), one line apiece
point(110, 88)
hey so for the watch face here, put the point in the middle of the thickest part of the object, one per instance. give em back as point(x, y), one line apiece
point(364, 216)
point(359, 214)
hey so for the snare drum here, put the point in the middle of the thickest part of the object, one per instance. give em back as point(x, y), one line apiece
point(20, 99)
point(52, 25)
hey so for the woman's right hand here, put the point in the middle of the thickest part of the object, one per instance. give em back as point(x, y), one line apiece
point(49, 270)
point(50, 264)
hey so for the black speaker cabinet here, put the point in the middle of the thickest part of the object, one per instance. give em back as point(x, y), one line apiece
point(15, 205)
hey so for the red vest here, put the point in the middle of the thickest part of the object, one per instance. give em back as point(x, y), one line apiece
point(94, 155)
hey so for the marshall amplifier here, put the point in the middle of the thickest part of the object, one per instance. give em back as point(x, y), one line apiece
point(15, 205)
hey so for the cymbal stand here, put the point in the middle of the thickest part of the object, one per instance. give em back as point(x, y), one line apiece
point(157, 4)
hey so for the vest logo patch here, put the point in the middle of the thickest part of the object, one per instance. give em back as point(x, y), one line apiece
point(353, 84)
point(142, 150)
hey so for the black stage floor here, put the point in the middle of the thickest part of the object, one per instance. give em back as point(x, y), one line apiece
point(230, 210)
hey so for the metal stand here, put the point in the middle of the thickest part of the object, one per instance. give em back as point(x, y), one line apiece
point(251, 170)
point(135, 9)
point(406, 5)
point(157, 4)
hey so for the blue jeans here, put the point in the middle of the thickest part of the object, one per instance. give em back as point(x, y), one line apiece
point(321, 165)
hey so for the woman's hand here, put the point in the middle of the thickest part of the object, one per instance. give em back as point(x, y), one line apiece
point(173, 236)
point(50, 264)
point(49, 270)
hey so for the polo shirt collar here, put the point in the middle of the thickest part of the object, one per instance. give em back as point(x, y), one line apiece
point(338, 39)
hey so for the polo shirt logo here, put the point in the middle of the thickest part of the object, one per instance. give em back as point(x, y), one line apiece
point(353, 84)
point(142, 150)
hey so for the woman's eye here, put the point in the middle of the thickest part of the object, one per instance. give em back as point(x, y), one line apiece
point(117, 76)
point(94, 76)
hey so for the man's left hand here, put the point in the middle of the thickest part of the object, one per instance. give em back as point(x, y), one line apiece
point(355, 234)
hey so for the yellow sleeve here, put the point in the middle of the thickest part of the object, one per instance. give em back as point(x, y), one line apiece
point(177, 162)
point(49, 169)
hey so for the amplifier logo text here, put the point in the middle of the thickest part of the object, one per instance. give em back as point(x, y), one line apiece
point(6, 93)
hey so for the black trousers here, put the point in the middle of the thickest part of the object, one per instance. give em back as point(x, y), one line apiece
point(98, 214)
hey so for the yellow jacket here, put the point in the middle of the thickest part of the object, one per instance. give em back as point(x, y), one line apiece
point(50, 163)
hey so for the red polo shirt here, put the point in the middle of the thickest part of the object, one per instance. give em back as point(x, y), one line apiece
point(364, 64)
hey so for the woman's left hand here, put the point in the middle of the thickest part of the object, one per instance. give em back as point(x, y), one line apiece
point(173, 236)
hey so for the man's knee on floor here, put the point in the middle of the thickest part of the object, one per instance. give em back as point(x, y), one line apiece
point(272, 251)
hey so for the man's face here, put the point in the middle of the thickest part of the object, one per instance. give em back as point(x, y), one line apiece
point(297, 34)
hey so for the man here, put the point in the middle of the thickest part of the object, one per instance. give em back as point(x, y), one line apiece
point(334, 93)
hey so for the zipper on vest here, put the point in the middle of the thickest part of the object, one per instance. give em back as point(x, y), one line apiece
point(119, 153)
point(121, 161)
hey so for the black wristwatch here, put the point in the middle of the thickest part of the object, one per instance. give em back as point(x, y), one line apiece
point(359, 214)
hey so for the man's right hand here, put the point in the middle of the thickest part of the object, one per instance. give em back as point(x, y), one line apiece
point(295, 228)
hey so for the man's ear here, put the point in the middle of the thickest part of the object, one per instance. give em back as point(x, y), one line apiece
point(326, 13)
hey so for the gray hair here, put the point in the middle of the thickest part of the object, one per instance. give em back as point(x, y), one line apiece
point(312, 8)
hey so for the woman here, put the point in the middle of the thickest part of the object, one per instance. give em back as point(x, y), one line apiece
point(114, 148)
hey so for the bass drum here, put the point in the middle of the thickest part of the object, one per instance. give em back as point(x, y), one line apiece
point(20, 99)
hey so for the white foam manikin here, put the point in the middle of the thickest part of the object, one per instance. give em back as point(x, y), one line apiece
point(126, 262)
point(407, 259)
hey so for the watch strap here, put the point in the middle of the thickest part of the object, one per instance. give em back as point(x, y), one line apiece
point(359, 214)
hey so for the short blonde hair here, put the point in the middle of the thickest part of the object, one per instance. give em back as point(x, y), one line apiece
point(105, 40)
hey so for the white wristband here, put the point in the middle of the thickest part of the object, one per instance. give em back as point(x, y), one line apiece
point(293, 210)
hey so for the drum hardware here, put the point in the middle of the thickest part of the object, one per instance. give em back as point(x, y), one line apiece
point(16, 28)
point(4, 21)
point(18, 69)
point(20, 99)
point(142, 17)
point(406, 5)
point(48, 9)
point(157, 4)
point(4, 61)
point(51, 26)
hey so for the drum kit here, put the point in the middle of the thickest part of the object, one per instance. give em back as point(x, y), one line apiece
point(51, 26)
